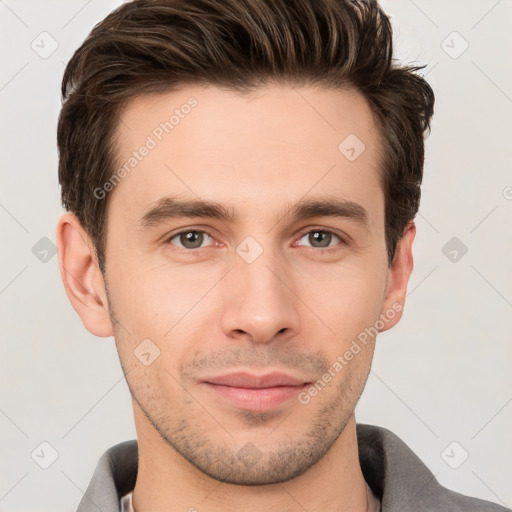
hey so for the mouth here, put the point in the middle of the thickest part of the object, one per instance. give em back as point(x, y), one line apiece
point(255, 392)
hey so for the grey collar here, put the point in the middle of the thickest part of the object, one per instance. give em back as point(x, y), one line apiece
point(394, 472)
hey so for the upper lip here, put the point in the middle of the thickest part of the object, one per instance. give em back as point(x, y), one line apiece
point(247, 380)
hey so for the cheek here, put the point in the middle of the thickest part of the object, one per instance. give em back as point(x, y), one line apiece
point(169, 307)
point(346, 298)
point(154, 299)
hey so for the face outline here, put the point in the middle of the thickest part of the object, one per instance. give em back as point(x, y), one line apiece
point(295, 308)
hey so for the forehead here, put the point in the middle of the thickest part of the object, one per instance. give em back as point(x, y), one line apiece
point(273, 146)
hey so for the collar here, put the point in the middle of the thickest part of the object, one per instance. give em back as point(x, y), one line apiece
point(397, 477)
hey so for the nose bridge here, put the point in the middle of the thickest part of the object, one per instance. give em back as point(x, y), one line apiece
point(259, 303)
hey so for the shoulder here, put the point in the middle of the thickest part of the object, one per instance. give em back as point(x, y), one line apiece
point(403, 482)
point(114, 476)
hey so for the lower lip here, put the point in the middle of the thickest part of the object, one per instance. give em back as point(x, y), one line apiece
point(261, 399)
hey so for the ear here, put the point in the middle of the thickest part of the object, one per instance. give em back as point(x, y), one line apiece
point(82, 278)
point(398, 278)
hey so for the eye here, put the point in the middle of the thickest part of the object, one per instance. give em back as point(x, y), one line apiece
point(320, 238)
point(189, 239)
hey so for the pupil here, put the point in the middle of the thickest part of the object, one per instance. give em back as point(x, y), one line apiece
point(320, 236)
point(192, 237)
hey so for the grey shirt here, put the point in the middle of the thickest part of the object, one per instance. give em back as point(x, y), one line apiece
point(395, 474)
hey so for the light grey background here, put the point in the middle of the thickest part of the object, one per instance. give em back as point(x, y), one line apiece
point(442, 375)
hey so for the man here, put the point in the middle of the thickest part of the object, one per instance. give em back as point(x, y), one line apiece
point(241, 179)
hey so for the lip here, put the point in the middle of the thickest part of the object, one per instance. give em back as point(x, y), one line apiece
point(251, 381)
point(255, 392)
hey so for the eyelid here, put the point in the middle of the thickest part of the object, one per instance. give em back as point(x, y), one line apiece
point(344, 239)
point(167, 238)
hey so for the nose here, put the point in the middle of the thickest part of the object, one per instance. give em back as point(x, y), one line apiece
point(259, 301)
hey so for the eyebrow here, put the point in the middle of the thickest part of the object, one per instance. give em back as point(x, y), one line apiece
point(171, 207)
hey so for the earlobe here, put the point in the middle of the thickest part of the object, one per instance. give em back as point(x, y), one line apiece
point(398, 278)
point(81, 276)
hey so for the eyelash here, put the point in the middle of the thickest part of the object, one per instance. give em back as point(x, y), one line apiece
point(328, 249)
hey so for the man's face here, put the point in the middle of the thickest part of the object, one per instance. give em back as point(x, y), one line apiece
point(263, 292)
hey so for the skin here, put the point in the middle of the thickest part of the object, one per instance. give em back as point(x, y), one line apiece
point(295, 308)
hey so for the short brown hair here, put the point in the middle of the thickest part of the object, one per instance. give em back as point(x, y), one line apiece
point(157, 45)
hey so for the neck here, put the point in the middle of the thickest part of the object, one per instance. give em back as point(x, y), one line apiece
point(168, 482)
